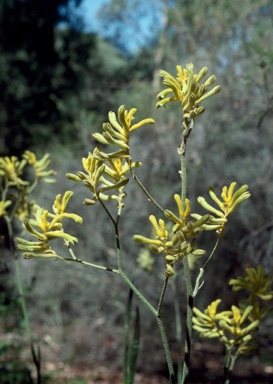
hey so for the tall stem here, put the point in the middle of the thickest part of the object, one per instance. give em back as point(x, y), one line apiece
point(155, 312)
point(187, 125)
point(36, 356)
point(187, 344)
point(150, 198)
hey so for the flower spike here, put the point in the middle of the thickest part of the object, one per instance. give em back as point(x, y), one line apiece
point(187, 89)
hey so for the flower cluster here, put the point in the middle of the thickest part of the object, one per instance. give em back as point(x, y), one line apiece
point(236, 327)
point(187, 89)
point(258, 286)
point(181, 240)
point(15, 188)
point(11, 170)
point(117, 131)
point(233, 328)
point(230, 200)
point(104, 172)
point(40, 166)
point(46, 227)
point(176, 242)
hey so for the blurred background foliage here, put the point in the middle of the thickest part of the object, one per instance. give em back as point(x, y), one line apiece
point(57, 83)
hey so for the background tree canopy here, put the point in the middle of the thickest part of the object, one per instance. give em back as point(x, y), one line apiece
point(58, 81)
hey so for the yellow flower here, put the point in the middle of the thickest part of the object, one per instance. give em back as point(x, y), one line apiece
point(207, 323)
point(236, 333)
point(259, 287)
point(40, 166)
point(100, 177)
point(230, 200)
point(117, 131)
point(173, 245)
point(233, 328)
point(190, 229)
point(46, 227)
point(187, 89)
point(11, 169)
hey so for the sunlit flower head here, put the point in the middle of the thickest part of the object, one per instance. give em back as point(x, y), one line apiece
point(117, 131)
point(187, 89)
point(230, 200)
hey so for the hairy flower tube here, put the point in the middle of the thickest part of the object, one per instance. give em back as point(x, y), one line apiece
point(230, 200)
point(40, 166)
point(259, 288)
point(117, 131)
point(46, 227)
point(173, 245)
point(187, 89)
point(101, 176)
point(233, 328)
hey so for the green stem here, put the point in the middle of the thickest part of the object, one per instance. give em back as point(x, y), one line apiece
point(187, 351)
point(35, 356)
point(230, 359)
point(198, 282)
point(134, 288)
point(178, 325)
point(212, 252)
point(150, 198)
point(162, 295)
point(187, 125)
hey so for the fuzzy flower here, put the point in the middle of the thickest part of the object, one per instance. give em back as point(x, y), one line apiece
point(230, 201)
point(173, 245)
point(259, 287)
point(46, 227)
point(117, 131)
point(206, 322)
point(101, 176)
point(238, 330)
point(233, 328)
point(189, 228)
point(187, 89)
point(40, 166)
point(11, 169)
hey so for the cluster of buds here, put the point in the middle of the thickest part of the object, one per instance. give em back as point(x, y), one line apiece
point(187, 89)
point(47, 226)
point(106, 172)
